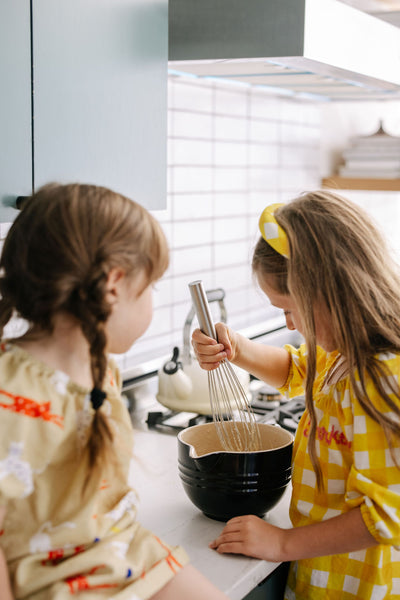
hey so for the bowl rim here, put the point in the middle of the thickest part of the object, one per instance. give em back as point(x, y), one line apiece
point(193, 455)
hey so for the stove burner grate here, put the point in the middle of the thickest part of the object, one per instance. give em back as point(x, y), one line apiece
point(285, 414)
point(290, 414)
point(174, 420)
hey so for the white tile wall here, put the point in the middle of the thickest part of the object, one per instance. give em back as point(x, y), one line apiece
point(231, 151)
point(384, 207)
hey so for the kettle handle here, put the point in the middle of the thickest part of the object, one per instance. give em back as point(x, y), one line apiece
point(172, 365)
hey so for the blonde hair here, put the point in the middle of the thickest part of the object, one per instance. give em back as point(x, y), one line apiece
point(338, 257)
point(56, 258)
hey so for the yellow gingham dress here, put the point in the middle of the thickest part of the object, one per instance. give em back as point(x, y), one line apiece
point(358, 470)
point(59, 545)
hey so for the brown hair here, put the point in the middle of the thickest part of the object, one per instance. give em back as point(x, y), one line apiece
point(338, 256)
point(57, 257)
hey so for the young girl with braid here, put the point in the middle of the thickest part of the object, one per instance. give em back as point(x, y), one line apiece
point(323, 262)
point(78, 266)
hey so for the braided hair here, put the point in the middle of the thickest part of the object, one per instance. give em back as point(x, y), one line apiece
point(56, 259)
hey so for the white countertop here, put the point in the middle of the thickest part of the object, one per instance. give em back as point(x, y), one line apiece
point(165, 509)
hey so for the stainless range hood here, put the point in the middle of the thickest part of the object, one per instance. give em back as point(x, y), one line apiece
point(317, 49)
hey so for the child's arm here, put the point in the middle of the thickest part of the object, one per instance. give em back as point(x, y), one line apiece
point(268, 363)
point(189, 583)
point(252, 536)
point(5, 588)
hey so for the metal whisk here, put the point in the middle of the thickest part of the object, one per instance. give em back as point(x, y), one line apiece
point(234, 419)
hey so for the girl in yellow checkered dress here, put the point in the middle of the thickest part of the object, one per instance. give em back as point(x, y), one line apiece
point(323, 262)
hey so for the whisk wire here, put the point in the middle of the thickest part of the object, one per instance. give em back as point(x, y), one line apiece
point(234, 419)
point(236, 425)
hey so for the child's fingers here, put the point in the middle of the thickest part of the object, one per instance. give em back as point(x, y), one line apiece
point(229, 542)
point(209, 352)
point(232, 532)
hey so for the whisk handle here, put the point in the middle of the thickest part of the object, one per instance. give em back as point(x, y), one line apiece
point(202, 308)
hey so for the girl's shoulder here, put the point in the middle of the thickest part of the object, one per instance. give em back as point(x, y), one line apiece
point(389, 358)
point(390, 367)
point(20, 372)
point(300, 356)
point(44, 404)
point(294, 385)
point(19, 367)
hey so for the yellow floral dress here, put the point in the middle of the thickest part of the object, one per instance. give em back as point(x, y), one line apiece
point(58, 541)
point(358, 470)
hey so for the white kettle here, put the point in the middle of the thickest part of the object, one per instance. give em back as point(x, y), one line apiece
point(183, 385)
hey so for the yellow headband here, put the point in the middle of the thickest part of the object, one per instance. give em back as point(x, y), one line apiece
point(273, 233)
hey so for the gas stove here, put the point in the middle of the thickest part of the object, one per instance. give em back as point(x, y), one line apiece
point(268, 407)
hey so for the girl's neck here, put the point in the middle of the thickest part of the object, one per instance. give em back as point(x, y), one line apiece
point(65, 349)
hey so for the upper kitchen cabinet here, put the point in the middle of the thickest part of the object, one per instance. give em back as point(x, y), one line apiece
point(15, 103)
point(99, 103)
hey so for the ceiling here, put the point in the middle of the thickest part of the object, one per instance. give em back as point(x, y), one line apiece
point(388, 10)
point(374, 5)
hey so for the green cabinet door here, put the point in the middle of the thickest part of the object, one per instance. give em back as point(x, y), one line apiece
point(15, 105)
point(98, 72)
point(100, 102)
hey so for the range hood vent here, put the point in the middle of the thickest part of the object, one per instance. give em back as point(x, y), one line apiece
point(314, 49)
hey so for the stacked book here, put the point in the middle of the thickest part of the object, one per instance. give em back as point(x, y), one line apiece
point(375, 156)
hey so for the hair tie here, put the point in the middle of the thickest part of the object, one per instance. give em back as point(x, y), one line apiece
point(273, 233)
point(97, 397)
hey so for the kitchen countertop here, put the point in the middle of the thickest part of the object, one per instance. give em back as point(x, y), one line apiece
point(165, 509)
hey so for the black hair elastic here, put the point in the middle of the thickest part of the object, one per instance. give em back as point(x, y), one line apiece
point(97, 397)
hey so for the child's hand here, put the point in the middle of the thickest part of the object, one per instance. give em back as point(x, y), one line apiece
point(251, 536)
point(209, 352)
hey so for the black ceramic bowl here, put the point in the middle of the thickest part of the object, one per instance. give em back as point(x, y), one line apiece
point(228, 484)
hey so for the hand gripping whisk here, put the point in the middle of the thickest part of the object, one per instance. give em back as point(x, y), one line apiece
point(234, 420)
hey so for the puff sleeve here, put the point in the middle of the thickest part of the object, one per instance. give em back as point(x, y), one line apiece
point(374, 478)
point(294, 384)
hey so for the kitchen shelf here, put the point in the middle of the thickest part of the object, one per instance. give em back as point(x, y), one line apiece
point(347, 183)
